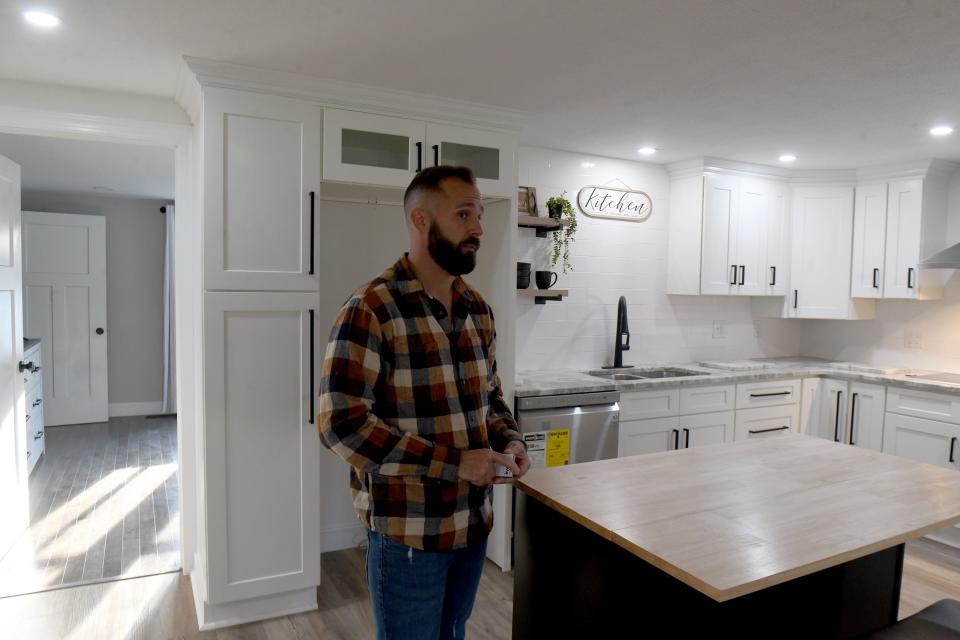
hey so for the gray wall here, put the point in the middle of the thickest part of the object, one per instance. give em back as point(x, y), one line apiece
point(135, 241)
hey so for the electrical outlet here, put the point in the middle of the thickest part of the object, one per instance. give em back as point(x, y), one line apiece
point(912, 339)
point(718, 332)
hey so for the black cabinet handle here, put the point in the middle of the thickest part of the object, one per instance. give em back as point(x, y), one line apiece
point(773, 276)
point(313, 220)
point(910, 278)
point(313, 391)
point(953, 443)
point(733, 275)
point(676, 439)
point(25, 366)
point(37, 402)
point(99, 331)
point(38, 436)
point(795, 294)
point(876, 278)
point(743, 273)
point(419, 156)
point(436, 155)
point(853, 415)
point(767, 395)
point(836, 420)
point(783, 428)
point(28, 418)
point(686, 438)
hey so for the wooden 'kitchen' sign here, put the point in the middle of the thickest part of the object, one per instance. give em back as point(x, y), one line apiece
point(614, 203)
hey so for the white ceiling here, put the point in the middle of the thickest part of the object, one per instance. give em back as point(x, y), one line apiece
point(840, 83)
point(77, 166)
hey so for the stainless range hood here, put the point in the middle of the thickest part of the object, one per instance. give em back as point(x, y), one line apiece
point(949, 258)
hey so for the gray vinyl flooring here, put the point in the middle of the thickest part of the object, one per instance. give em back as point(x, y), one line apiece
point(104, 505)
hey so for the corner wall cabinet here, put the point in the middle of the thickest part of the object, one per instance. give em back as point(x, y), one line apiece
point(372, 149)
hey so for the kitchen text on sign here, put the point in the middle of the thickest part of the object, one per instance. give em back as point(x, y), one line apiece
point(613, 203)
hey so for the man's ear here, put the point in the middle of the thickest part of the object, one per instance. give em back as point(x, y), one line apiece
point(420, 219)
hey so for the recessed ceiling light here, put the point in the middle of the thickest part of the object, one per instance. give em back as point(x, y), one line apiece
point(787, 157)
point(41, 19)
point(587, 165)
point(941, 130)
point(646, 151)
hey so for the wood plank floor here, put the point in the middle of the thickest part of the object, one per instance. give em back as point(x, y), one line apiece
point(104, 504)
point(161, 607)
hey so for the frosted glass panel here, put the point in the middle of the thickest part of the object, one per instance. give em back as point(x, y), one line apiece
point(371, 149)
point(485, 161)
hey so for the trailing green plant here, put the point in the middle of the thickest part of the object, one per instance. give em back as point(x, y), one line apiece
point(559, 208)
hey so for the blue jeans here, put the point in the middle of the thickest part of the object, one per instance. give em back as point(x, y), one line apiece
point(421, 595)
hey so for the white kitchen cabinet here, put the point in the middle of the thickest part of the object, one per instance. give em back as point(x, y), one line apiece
point(738, 226)
point(904, 202)
point(924, 404)
point(371, 149)
point(809, 405)
point(821, 253)
point(706, 429)
point(849, 412)
point(262, 454)
point(831, 420)
point(869, 241)
point(922, 440)
point(648, 436)
point(765, 422)
point(767, 393)
point(650, 403)
point(709, 399)
point(261, 172)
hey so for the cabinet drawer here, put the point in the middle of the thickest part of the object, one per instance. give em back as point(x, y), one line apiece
point(648, 436)
point(655, 403)
point(707, 399)
point(766, 422)
point(929, 441)
point(923, 404)
point(767, 394)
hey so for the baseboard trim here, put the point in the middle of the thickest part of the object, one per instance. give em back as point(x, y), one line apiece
point(123, 409)
point(217, 616)
point(342, 537)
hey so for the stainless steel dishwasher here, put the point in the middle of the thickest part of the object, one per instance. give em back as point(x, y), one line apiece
point(570, 428)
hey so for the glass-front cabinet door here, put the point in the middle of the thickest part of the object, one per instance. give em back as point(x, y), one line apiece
point(371, 149)
point(488, 153)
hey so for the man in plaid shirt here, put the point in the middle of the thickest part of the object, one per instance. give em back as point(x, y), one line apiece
point(411, 399)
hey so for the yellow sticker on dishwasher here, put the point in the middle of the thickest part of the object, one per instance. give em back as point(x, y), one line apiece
point(558, 447)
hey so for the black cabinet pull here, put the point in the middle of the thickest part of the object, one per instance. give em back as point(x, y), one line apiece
point(686, 438)
point(783, 428)
point(773, 276)
point(836, 420)
point(853, 415)
point(313, 391)
point(876, 278)
point(313, 231)
point(436, 155)
point(743, 273)
point(953, 443)
point(767, 395)
point(25, 366)
point(795, 294)
point(676, 439)
point(910, 278)
point(733, 275)
point(38, 436)
point(419, 156)
point(37, 402)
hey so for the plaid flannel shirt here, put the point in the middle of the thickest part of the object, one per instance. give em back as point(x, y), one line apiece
point(404, 390)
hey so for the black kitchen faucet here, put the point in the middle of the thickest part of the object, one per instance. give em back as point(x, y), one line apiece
point(619, 345)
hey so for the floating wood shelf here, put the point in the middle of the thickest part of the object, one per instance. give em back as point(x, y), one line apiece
point(541, 296)
point(541, 224)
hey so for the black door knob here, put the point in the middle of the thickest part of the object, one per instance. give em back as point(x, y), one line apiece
point(99, 331)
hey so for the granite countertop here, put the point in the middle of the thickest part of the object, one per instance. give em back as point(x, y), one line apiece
point(554, 382)
point(30, 343)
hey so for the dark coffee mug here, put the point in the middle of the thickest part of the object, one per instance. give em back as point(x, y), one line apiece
point(546, 279)
point(523, 267)
point(523, 275)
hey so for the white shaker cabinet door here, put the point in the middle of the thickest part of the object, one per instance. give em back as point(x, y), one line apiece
point(488, 153)
point(922, 440)
point(706, 428)
point(869, 241)
point(719, 272)
point(648, 436)
point(366, 148)
point(766, 422)
point(777, 271)
point(261, 175)
point(749, 236)
point(833, 399)
point(903, 239)
point(867, 408)
point(262, 447)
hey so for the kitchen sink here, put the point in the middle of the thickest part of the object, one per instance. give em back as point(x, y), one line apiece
point(647, 374)
point(615, 375)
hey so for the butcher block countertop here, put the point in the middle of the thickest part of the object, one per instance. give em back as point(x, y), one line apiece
point(736, 518)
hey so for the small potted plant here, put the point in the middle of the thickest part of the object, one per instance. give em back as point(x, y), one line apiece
point(559, 208)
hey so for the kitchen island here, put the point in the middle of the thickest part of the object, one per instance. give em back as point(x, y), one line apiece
point(788, 537)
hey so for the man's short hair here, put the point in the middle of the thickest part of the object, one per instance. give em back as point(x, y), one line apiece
point(428, 180)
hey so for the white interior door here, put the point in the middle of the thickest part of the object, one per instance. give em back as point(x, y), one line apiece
point(13, 446)
point(65, 283)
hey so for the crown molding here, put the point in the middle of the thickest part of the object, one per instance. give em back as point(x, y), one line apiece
point(933, 167)
point(918, 169)
point(188, 94)
point(350, 95)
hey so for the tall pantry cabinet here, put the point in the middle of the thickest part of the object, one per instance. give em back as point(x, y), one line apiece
point(261, 160)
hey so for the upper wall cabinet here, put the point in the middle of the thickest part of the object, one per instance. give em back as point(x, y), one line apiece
point(365, 148)
point(821, 248)
point(896, 225)
point(738, 227)
point(261, 164)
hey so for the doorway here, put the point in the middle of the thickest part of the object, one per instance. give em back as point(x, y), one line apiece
point(103, 484)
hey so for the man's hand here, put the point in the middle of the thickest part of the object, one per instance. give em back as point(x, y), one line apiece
point(476, 466)
point(521, 457)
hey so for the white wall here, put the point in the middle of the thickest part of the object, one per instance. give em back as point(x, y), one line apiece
point(882, 341)
point(613, 258)
point(135, 246)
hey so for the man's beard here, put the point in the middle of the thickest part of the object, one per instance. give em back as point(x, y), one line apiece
point(449, 256)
